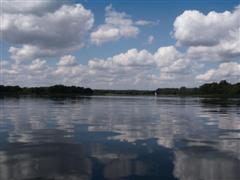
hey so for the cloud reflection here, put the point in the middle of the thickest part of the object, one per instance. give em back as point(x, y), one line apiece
point(108, 137)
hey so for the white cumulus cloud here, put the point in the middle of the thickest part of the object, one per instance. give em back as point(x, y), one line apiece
point(117, 25)
point(229, 71)
point(47, 34)
point(227, 49)
point(30, 6)
point(210, 40)
point(67, 60)
point(193, 28)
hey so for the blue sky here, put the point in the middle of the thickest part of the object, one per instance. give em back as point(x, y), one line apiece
point(122, 44)
point(164, 11)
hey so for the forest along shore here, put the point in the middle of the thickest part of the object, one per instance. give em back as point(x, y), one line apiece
point(221, 89)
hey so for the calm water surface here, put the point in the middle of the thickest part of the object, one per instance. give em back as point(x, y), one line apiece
point(119, 138)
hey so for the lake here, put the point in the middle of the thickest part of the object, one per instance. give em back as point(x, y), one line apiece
point(161, 138)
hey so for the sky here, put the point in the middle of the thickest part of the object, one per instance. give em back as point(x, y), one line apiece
point(119, 44)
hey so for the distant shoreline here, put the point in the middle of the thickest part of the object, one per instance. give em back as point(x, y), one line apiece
point(221, 89)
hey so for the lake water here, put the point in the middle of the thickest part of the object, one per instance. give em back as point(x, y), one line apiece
point(146, 138)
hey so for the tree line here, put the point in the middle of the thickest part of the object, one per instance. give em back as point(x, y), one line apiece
point(223, 88)
point(52, 90)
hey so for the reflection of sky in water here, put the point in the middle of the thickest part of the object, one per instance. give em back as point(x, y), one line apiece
point(119, 137)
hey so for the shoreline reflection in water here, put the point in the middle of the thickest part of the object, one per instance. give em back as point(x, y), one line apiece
point(119, 138)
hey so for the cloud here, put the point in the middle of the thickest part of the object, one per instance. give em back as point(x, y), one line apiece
point(180, 66)
point(3, 63)
point(227, 49)
point(29, 52)
point(34, 73)
point(132, 57)
point(37, 65)
point(51, 33)
point(193, 28)
point(61, 30)
point(165, 56)
point(133, 69)
point(229, 71)
point(30, 6)
point(146, 23)
point(67, 60)
point(150, 39)
point(117, 25)
point(211, 39)
point(138, 67)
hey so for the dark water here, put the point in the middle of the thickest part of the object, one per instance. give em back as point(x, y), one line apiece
point(119, 138)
